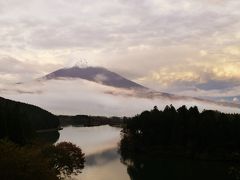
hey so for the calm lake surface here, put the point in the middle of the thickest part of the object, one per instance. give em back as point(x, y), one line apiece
point(100, 145)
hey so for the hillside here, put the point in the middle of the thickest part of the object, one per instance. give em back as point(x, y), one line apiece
point(19, 121)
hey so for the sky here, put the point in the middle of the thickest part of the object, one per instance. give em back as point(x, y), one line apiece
point(186, 47)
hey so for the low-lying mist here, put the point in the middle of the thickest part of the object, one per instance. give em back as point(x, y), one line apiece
point(76, 96)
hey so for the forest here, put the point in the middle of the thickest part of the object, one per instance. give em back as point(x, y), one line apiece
point(196, 134)
point(20, 121)
point(86, 120)
point(154, 135)
point(24, 154)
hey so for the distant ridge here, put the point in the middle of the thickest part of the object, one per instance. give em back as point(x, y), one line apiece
point(95, 74)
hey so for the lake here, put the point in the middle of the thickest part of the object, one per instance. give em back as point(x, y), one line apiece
point(100, 145)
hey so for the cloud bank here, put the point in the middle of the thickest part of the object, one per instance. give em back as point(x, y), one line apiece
point(188, 46)
point(76, 96)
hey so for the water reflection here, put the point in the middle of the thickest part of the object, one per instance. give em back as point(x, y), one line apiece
point(100, 144)
point(154, 165)
point(177, 169)
point(91, 139)
point(102, 158)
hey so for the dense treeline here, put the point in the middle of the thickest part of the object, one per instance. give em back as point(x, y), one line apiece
point(209, 134)
point(85, 120)
point(25, 154)
point(19, 121)
point(155, 142)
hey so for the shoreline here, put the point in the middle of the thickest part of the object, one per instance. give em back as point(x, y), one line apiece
point(49, 130)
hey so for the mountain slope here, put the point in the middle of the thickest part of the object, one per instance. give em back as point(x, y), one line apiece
point(19, 121)
point(105, 77)
point(95, 74)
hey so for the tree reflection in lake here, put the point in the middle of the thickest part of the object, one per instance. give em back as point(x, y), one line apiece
point(145, 164)
point(103, 160)
point(142, 168)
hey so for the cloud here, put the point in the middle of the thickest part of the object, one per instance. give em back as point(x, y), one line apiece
point(64, 24)
point(11, 65)
point(170, 45)
point(13, 70)
point(100, 78)
point(77, 96)
point(236, 100)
